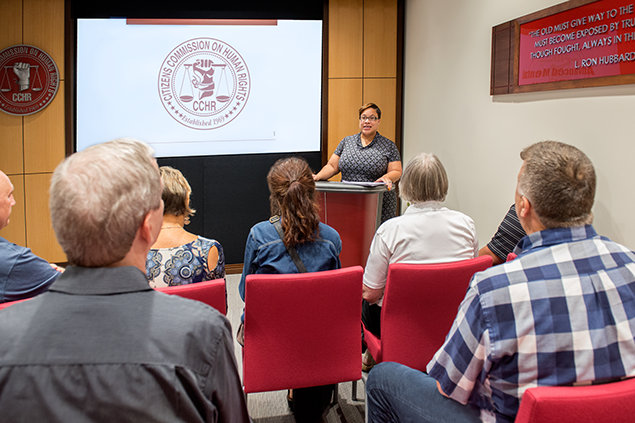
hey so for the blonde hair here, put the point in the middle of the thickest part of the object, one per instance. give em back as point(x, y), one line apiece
point(176, 193)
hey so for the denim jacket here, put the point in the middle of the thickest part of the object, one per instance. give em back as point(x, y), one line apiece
point(265, 252)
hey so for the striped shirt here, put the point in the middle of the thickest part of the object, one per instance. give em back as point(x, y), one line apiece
point(507, 236)
point(561, 313)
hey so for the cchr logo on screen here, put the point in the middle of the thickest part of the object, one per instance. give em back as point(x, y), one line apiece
point(204, 83)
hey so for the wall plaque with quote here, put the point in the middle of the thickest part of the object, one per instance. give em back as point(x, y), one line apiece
point(570, 45)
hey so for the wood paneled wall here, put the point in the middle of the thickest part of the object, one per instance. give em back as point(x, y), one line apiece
point(33, 145)
point(363, 66)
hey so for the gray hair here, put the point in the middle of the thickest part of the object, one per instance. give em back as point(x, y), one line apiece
point(424, 179)
point(99, 198)
point(559, 181)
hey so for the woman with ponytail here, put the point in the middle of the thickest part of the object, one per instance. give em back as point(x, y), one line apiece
point(295, 211)
point(293, 203)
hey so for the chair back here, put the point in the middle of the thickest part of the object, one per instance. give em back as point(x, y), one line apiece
point(212, 293)
point(610, 402)
point(302, 329)
point(420, 304)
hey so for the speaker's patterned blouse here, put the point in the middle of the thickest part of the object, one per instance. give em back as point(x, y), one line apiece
point(367, 164)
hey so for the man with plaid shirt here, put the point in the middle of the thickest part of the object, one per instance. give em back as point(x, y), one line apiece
point(561, 313)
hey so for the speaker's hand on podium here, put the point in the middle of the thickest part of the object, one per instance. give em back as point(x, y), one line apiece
point(386, 180)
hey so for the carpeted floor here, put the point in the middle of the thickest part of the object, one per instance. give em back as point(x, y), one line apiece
point(271, 407)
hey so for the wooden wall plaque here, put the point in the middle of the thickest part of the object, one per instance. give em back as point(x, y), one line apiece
point(580, 43)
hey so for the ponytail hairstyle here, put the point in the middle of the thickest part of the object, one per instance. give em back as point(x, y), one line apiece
point(293, 198)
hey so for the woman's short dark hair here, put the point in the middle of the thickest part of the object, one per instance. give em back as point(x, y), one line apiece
point(176, 193)
point(293, 198)
point(370, 106)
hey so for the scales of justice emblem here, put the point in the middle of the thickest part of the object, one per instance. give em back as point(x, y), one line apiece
point(28, 80)
point(204, 83)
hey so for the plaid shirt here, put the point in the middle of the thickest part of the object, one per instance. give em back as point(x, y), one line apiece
point(562, 313)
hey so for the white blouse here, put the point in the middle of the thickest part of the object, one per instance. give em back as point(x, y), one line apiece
point(426, 233)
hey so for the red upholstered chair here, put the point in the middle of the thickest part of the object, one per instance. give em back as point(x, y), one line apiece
point(10, 303)
point(420, 304)
point(302, 329)
point(611, 402)
point(211, 292)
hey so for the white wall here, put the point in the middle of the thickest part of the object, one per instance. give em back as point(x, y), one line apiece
point(448, 111)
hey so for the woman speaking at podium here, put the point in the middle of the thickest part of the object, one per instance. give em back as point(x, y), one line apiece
point(367, 157)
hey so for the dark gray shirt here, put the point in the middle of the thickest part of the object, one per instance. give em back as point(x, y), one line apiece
point(102, 346)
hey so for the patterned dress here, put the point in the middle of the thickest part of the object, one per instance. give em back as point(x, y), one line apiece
point(184, 264)
point(367, 164)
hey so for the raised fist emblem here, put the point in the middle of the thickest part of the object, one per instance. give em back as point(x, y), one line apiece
point(23, 71)
point(203, 77)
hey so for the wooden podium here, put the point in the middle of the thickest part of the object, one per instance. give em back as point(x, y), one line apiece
point(354, 211)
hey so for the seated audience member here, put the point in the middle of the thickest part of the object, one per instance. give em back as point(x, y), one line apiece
point(559, 314)
point(427, 232)
point(179, 257)
point(294, 225)
point(509, 232)
point(22, 273)
point(101, 345)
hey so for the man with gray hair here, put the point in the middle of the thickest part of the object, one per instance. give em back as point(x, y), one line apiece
point(561, 313)
point(101, 345)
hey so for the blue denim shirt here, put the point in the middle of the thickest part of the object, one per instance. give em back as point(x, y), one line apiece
point(265, 252)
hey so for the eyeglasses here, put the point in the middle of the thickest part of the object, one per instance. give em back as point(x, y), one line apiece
point(368, 118)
